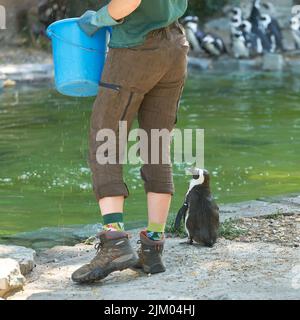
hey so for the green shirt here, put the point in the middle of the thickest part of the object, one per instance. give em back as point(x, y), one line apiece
point(150, 15)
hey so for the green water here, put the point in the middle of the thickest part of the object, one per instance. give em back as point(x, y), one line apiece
point(252, 147)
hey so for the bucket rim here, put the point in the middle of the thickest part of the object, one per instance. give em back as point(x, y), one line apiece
point(56, 23)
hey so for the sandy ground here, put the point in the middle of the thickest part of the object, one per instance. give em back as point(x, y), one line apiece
point(230, 270)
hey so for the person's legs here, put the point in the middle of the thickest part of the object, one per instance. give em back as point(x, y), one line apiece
point(128, 74)
point(158, 112)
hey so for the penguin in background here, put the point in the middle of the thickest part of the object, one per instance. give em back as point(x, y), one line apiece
point(271, 28)
point(213, 45)
point(191, 25)
point(255, 15)
point(209, 43)
point(199, 212)
point(239, 45)
point(295, 27)
point(255, 20)
point(236, 12)
point(253, 41)
point(235, 24)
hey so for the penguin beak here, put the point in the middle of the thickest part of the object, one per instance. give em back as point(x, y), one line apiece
point(192, 171)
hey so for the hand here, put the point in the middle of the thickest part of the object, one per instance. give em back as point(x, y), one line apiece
point(85, 22)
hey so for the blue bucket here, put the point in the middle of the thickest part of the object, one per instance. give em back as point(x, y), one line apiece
point(78, 58)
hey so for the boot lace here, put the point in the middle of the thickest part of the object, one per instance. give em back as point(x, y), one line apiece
point(98, 246)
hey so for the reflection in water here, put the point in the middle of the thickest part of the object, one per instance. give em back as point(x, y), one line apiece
point(252, 148)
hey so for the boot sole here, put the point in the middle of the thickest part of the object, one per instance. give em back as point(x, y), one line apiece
point(154, 269)
point(99, 274)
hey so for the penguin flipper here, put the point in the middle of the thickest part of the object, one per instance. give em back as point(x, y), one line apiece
point(180, 216)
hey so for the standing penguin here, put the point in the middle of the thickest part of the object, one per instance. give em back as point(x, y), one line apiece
point(255, 20)
point(191, 25)
point(253, 41)
point(210, 43)
point(235, 24)
point(271, 28)
point(255, 15)
point(239, 45)
point(295, 27)
point(199, 211)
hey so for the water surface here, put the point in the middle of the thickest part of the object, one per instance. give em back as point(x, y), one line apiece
point(252, 147)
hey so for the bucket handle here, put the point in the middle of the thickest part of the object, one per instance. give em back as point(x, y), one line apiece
point(51, 34)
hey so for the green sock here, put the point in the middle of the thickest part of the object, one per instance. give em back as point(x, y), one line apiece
point(113, 222)
point(155, 231)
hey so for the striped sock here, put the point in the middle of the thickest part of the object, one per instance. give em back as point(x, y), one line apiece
point(155, 231)
point(113, 222)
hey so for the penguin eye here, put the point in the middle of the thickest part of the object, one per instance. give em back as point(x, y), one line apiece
point(196, 177)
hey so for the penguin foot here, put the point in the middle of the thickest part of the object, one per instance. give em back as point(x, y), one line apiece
point(188, 242)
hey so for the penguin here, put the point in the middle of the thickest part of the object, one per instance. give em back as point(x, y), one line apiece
point(239, 45)
point(255, 20)
point(236, 12)
point(199, 211)
point(51, 11)
point(269, 8)
point(210, 43)
point(271, 28)
point(255, 15)
point(191, 25)
point(253, 41)
point(295, 28)
point(213, 45)
point(235, 24)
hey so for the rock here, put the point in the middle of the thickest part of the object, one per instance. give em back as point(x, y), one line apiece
point(9, 83)
point(273, 62)
point(250, 64)
point(28, 71)
point(199, 63)
point(226, 64)
point(24, 256)
point(11, 278)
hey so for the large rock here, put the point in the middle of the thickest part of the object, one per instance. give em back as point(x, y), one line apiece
point(11, 278)
point(24, 256)
point(273, 62)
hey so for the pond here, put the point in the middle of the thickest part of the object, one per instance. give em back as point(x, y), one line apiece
point(252, 148)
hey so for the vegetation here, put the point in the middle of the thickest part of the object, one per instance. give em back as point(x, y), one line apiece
point(228, 229)
point(206, 8)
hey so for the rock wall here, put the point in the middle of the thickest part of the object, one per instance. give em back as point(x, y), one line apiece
point(282, 9)
point(14, 11)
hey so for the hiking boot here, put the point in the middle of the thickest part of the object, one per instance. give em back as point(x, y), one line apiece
point(150, 255)
point(114, 253)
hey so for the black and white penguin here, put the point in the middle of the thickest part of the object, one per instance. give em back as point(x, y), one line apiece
point(253, 41)
point(236, 12)
point(235, 24)
point(272, 30)
point(51, 11)
point(191, 26)
point(295, 27)
point(255, 20)
point(199, 211)
point(255, 15)
point(239, 45)
point(211, 44)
